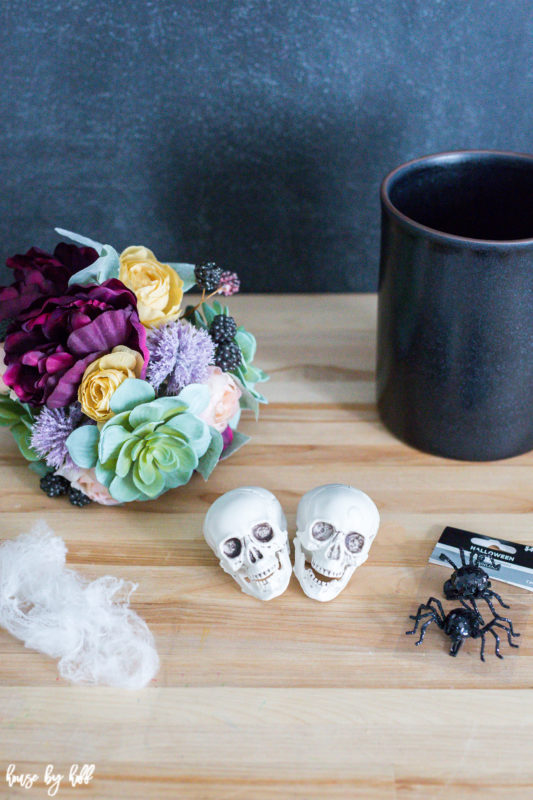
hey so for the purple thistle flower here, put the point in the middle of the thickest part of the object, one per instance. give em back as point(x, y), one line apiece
point(50, 432)
point(229, 284)
point(180, 354)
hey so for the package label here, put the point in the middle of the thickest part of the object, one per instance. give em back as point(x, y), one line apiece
point(508, 562)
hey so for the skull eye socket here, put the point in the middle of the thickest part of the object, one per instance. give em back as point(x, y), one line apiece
point(232, 547)
point(354, 542)
point(322, 531)
point(263, 532)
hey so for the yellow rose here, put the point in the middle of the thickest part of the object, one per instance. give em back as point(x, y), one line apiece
point(158, 288)
point(103, 377)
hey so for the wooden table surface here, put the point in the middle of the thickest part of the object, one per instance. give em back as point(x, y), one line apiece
point(290, 698)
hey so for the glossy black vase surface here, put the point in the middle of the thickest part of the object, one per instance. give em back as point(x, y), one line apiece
point(455, 320)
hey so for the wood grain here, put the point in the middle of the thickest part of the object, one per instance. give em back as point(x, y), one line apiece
point(291, 698)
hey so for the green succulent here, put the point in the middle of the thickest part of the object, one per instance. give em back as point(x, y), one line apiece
point(149, 445)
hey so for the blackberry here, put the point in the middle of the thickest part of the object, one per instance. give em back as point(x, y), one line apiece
point(228, 356)
point(223, 328)
point(77, 498)
point(54, 485)
point(208, 276)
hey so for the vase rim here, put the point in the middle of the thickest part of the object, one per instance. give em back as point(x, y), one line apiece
point(450, 156)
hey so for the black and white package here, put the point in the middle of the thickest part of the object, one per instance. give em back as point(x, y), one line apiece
point(505, 561)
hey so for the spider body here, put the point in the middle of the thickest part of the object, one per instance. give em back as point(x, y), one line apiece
point(460, 624)
point(470, 582)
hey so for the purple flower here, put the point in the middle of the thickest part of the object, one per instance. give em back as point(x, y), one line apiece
point(227, 436)
point(229, 284)
point(49, 347)
point(38, 275)
point(51, 431)
point(180, 354)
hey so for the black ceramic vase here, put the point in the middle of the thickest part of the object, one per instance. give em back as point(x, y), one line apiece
point(455, 320)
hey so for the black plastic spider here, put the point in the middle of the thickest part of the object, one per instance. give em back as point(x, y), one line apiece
point(459, 624)
point(471, 582)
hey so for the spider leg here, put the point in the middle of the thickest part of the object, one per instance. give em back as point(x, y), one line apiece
point(497, 646)
point(482, 651)
point(463, 559)
point(508, 632)
point(499, 616)
point(439, 620)
point(418, 617)
point(493, 564)
point(473, 606)
point(432, 613)
point(444, 557)
point(492, 593)
point(456, 646)
point(423, 630)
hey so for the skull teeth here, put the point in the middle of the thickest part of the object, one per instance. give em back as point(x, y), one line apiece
point(315, 579)
point(327, 573)
point(263, 577)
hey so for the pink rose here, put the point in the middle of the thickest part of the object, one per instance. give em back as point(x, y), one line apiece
point(85, 481)
point(3, 388)
point(224, 402)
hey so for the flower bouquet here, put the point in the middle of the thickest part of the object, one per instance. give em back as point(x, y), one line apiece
point(113, 389)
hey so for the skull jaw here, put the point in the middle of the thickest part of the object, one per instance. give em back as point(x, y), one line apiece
point(321, 591)
point(273, 585)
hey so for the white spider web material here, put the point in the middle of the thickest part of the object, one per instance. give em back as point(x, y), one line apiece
point(87, 625)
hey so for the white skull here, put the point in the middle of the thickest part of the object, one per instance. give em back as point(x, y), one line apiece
point(336, 525)
point(247, 531)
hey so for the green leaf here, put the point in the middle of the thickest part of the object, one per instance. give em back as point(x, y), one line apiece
point(143, 413)
point(104, 475)
point(247, 400)
point(196, 396)
point(209, 313)
point(75, 237)
point(247, 344)
point(104, 268)
point(131, 393)
point(186, 273)
point(124, 460)
point(82, 445)
point(251, 374)
point(195, 431)
point(146, 469)
point(124, 490)
point(218, 308)
point(22, 436)
point(111, 440)
point(152, 489)
point(182, 475)
point(10, 410)
point(156, 410)
point(40, 467)
point(211, 457)
point(249, 403)
point(239, 439)
point(198, 321)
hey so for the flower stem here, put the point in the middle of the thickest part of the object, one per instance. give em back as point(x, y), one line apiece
point(202, 301)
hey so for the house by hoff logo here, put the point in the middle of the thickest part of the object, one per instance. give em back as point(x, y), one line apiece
point(78, 775)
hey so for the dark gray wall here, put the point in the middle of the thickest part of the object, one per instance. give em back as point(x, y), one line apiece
point(252, 132)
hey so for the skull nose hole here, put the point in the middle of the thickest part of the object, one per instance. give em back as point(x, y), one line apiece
point(334, 552)
point(255, 555)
